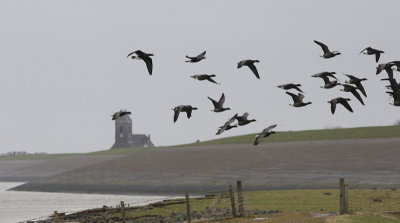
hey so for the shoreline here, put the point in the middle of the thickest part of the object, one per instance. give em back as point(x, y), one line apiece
point(168, 190)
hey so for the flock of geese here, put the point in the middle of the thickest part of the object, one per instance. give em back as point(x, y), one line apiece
point(353, 85)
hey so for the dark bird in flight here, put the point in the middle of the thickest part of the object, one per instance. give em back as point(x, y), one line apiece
point(146, 57)
point(327, 54)
point(218, 106)
point(120, 114)
point(227, 125)
point(202, 77)
point(342, 101)
point(250, 64)
point(387, 67)
point(290, 86)
point(371, 51)
point(183, 108)
point(353, 90)
point(197, 58)
point(325, 74)
point(242, 120)
point(265, 133)
point(297, 100)
point(328, 83)
point(357, 82)
point(395, 93)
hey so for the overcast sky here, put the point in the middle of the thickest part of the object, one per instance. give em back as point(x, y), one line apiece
point(64, 67)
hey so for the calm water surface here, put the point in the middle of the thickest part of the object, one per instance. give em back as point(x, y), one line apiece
point(18, 206)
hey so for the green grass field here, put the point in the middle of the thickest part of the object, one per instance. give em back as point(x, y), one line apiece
point(345, 133)
point(296, 205)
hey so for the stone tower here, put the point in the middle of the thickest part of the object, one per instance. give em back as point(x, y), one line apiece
point(124, 137)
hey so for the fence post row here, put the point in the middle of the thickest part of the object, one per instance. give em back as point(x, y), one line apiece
point(232, 196)
point(189, 217)
point(240, 198)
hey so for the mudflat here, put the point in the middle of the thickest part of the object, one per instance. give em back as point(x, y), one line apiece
point(364, 163)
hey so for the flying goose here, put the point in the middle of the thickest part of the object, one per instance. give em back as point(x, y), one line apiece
point(250, 64)
point(328, 83)
point(325, 74)
point(146, 57)
point(290, 86)
point(227, 125)
point(218, 106)
point(357, 82)
point(197, 58)
point(242, 120)
point(297, 100)
point(265, 133)
point(183, 108)
point(327, 54)
point(120, 114)
point(202, 77)
point(387, 67)
point(342, 101)
point(371, 51)
point(353, 90)
point(395, 93)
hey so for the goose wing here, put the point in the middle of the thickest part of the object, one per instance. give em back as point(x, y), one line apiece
point(211, 80)
point(294, 97)
point(215, 103)
point(130, 54)
point(176, 114)
point(116, 115)
point(357, 95)
point(297, 88)
point(360, 86)
point(323, 46)
point(301, 97)
point(241, 63)
point(263, 134)
point(344, 102)
point(326, 80)
point(149, 64)
point(377, 55)
point(189, 112)
point(221, 100)
point(230, 121)
point(364, 50)
point(333, 105)
point(202, 54)
point(245, 115)
point(254, 69)
point(221, 129)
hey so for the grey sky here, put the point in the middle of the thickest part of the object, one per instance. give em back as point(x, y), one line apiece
point(64, 69)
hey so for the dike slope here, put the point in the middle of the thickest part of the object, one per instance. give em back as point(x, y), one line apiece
point(200, 169)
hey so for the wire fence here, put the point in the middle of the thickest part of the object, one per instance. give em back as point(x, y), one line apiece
point(217, 205)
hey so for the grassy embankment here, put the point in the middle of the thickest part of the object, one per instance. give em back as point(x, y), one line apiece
point(293, 206)
point(345, 133)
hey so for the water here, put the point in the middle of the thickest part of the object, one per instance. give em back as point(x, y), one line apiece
point(19, 206)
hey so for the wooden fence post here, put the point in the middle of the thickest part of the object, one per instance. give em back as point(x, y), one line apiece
point(56, 217)
point(341, 196)
point(122, 211)
point(240, 198)
point(189, 217)
point(346, 198)
point(231, 194)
